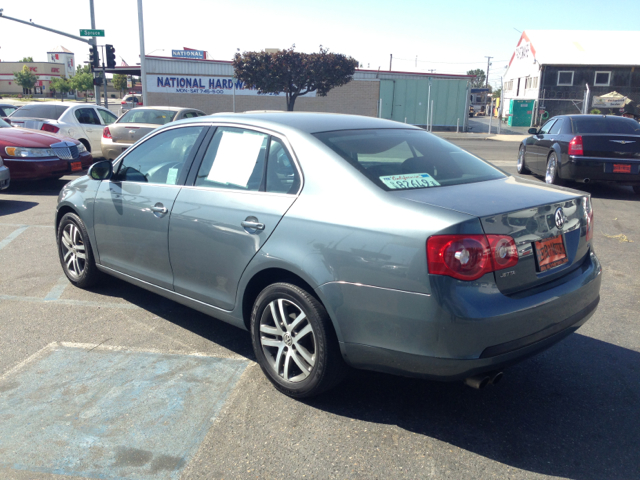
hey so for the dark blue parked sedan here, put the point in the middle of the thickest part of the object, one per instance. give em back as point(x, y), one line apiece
point(339, 241)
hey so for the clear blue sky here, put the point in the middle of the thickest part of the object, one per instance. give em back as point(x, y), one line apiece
point(448, 36)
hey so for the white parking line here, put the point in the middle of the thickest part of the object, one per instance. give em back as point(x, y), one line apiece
point(80, 303)
point(12, 236)
point(56, 292)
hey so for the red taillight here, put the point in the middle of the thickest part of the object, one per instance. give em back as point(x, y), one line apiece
point(469, 257)
point(49, 128)
point(106, 133)
point(575, 146)
point(123, 103)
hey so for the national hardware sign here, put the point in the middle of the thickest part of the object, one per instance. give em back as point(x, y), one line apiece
point(204, 86)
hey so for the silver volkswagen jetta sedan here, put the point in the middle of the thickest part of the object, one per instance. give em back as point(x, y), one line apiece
point(339, 241)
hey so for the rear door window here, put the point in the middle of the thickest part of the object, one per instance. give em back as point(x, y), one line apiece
point(407, 159)
point(282, 175)
point(87, 116)
point(235, 159)
point(547, 126)
point(555, 128)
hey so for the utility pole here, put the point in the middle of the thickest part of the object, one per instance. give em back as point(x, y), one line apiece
point(488, 65)
point(143, 67)
point(94, 42)
point(390, 60)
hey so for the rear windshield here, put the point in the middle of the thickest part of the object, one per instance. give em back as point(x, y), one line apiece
point(598, 124)
point(52, 112)
point(407, 159)
point(156, 117)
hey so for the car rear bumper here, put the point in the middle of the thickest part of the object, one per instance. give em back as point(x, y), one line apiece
point(5, 177)
point(458, 330)
point(45, 168)
point(111, 150)
point(601, 170)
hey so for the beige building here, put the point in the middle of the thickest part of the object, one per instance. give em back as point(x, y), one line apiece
point(62, 62)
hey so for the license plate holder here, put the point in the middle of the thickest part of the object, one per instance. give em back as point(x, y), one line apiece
point(550, 253)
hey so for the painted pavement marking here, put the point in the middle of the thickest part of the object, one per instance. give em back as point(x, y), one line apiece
point(111, 412)
point(78, 303)
point(12, 236)
point(56, 292)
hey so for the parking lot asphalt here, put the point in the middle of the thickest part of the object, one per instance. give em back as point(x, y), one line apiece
point(108, 383)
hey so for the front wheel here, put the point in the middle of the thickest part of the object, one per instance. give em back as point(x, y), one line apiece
point(294, 341)
point(74, 250)
point(521, 167)
point(551, 174)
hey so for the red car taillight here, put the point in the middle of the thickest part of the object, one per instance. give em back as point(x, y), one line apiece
point(469, 257)
point(575, 146)
point(106, 133)
point(49, 128)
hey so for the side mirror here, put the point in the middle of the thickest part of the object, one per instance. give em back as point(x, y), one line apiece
point(533, 131)
point(101, 170)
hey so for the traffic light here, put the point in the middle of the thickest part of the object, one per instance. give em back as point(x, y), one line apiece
point(97, 81)
point(94, 59)
point(111, 56)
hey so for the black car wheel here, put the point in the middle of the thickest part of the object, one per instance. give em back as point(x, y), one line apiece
point(74, 250)
point(521, 167)
point(294, 341)
point(551, 174)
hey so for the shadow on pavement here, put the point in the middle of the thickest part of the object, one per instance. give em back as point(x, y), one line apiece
point(8, 207)
point(571, 412)
point(37, 187)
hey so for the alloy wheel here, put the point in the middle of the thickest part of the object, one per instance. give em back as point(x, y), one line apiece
point(73, 250)
point(288, 340)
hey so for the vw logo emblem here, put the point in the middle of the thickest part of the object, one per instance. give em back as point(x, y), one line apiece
point(559, 216)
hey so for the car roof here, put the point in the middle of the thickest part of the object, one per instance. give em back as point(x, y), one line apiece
point(306, 122)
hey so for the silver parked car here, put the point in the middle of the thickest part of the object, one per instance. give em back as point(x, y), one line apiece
point(339, 241)
point(136, 123)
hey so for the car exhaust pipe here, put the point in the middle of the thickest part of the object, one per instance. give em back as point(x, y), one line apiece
point(482, 380)
point(585, 180)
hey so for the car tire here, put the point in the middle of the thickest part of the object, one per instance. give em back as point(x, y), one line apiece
point(294, 341)
point(75, 253)
point(551, 173)
point(521, 167)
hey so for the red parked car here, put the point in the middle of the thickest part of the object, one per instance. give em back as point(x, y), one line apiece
point(35, 155)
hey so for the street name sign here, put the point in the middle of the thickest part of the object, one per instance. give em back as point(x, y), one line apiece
point(86, 32)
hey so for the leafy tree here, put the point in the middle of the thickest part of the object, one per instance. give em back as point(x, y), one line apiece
point(62, 85)
point(496, 93)
point(82, 82)
point(294, 73)
point(25, 79)
point(119, 82)
point(83, 69)
point(27, 60)
point(479, 81)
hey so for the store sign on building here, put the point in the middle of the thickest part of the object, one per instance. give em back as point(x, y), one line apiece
point(197, 54)
point(204, 86)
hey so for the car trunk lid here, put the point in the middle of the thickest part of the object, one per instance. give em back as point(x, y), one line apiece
point(611, 146)
point(526, 211)
point(129, 132)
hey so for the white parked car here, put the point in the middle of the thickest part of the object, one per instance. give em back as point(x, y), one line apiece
point(82, 121)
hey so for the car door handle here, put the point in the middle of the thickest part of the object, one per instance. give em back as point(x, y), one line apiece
point(254, 225)
point(158, 209)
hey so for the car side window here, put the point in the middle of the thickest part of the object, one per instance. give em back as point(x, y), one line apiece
point(107, 117)
point(555, 128)
point(87, 116)
point(161, 159)
point(566, 127)
point(282, 176)
point(235, 159)
point(547, 126)
point(190, 115)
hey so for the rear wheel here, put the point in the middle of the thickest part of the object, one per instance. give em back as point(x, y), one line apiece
point(294, 341)
point(521, 167)
point(74, 250)
point(551, 174)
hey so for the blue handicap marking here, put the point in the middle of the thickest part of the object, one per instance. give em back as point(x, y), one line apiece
point(111, 413)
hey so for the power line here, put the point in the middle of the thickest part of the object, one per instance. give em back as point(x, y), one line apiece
point(449, 63)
